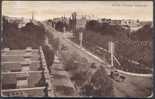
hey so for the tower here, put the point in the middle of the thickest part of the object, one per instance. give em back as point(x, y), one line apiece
point(32, 16)
point(74, 21)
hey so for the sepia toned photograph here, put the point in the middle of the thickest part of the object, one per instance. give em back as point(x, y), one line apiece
point(77, 49)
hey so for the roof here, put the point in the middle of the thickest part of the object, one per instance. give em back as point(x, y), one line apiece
point(16, 65)
point(15, 59)
point(16, 52)
point(21, 75)
point(9, 79)
point(10, 66)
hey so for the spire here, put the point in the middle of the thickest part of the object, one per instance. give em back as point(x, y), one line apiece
point(32, 16)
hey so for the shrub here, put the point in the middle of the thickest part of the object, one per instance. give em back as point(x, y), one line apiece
point(100, 84)
point(69, 60)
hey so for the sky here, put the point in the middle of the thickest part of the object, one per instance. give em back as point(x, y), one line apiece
point(142, 10)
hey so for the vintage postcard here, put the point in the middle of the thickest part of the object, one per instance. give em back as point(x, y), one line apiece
point(77, 49)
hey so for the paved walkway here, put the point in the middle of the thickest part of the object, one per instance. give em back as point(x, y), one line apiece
point(62, 84)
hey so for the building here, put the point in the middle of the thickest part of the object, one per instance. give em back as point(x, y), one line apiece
point(61, 19)
point(124, 22)
point(104, 20)
point(130, 23)
point(81, 23)
point(115, 22)
point(24, 73)
point(23, 22)
point(11, 19)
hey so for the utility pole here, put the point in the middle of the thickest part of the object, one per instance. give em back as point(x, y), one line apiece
point(111, 51)
point(32, 16)
point(81, 38)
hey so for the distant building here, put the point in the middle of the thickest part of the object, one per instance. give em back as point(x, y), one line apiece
point(56, 19)
point(23, 22)
point(115, 22)
point(128, 22)
point(104, 20)
point(131, 23)
point(61, 19)
point(81, 22)
point(11, 19)
point(147, 23)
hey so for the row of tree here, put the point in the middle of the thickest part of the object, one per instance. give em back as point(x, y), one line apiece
point(20, 38)
point(130, 45)
point(88, 83)
point(81, 72)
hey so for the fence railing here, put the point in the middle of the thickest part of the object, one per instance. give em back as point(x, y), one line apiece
point(100, 60)
point(47, 76)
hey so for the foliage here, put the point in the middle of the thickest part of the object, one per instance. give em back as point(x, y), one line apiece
point(70, 62)
point(143, 34)
point(79, 67)
point(60, 25)
point(16, 38)
point(116, 31)
point(100, 84)
point(139, 51)
point(55, 43)
point(127, 47)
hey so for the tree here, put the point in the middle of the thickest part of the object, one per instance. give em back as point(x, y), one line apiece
point(93, 25)
point(143, 34)
point(70, 60)
point(19, 38)
point(100, 84)
point(56, 44)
